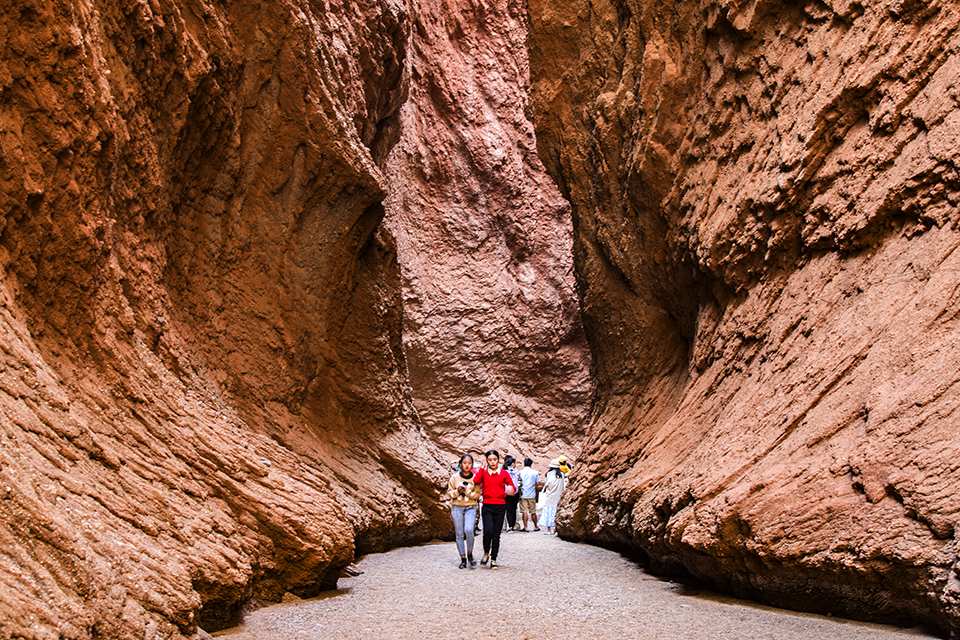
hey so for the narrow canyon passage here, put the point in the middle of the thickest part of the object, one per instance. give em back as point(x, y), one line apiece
point(545, 589)
point(267, 268)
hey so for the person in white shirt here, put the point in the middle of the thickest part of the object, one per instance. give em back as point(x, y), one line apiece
point(529, 482)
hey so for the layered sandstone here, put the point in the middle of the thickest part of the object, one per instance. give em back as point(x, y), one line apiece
point(203, 383)
point(765, 205)
point(493, 340)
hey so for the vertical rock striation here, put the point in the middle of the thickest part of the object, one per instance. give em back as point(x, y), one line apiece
point(765, 204)
point(493, 339)
point(201, 373)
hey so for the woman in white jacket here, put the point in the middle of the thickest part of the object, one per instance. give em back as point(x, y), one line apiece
point(553, 486)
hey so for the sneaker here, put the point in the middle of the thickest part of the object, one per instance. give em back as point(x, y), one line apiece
point(463, 563)
point(493, 564)
point(483, 562)
point(536, 528)
point(470, 559)
point(511, 529)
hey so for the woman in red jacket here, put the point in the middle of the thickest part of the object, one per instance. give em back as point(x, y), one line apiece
point(497, 484)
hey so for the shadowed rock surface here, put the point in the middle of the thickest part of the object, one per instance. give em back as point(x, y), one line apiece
point(765, 206)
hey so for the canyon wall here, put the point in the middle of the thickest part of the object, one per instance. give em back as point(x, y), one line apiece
point(203, 385)
point(765, 206)
point(495, 349)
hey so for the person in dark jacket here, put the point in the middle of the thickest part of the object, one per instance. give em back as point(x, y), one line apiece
point(512, 501)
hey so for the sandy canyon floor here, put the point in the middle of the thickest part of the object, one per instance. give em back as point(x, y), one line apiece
point(544, 588)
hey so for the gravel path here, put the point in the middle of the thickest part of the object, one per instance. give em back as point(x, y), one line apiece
point(545, 588)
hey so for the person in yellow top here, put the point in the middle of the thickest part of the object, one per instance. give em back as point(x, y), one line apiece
point(463, 494)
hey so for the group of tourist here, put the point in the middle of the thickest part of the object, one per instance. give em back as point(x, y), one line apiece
point(501, 490)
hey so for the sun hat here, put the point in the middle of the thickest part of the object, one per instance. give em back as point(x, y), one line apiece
point(555, 463)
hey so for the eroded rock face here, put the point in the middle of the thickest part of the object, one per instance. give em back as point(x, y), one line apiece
point(494, 344)
point(203, 387)
point(765, 204)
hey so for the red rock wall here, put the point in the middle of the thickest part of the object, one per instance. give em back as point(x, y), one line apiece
point(495, 348)
point(765, 205)
point(203, 384)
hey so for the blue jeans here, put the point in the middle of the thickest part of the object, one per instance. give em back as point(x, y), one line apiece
point(464, 519)
point(548, 517)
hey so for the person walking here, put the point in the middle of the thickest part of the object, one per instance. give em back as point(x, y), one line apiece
point(496, 485)
point(553, 486)
point(463, 493)
point(512, 501)
point(529, 479)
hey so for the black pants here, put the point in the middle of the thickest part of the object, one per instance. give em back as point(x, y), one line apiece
point(512, 502)
point(492, 515)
